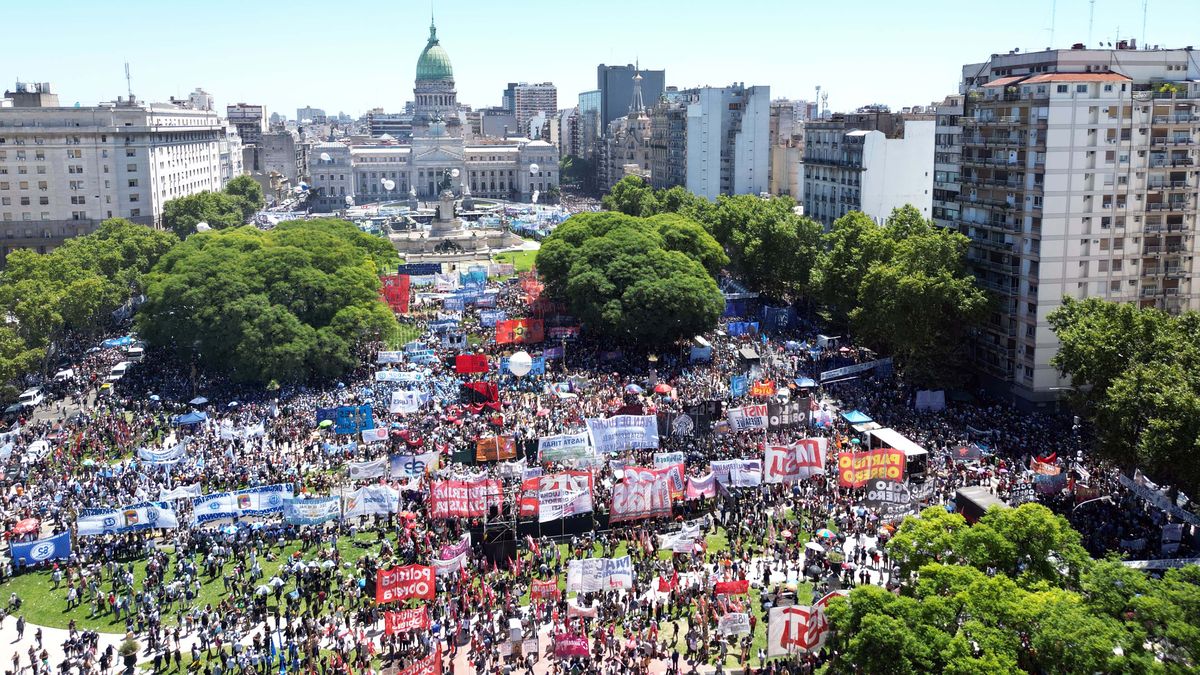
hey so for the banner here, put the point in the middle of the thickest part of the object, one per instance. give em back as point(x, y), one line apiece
point(519, 331)
point(737, 328)
point(1156, 497)
point(389, 357)
point(855, 369)
point(405, 620)
point(557, 496)
point(181, 492)
point(567, 646)
point(597, 574)
point(738, 472)
point(495, 448)
point(464, 499)
point(763, 389)
point(257, 501)
point(413, 466)
point(734, 623)
point(790, 463)
point(537, 366)
point(665, 458)
point(465, 364)
point(544, 590)
point(30, 553)
point(376, 435)
point(640, 496)
point(790, 414)
point(799, 630)
point(452, 551)
point(394, 288)
point(739, 385)
point(443, 568)
point(564, 447)
point(405, 401)
point(748, 417)
point(563, 332)
point(311, 511)
point(856, 468)
point(168, 456)
point(132, 518)
point(390, 376)
point(489, 318)
point(403, 583)
point(349, 419)
point(891, 501)
point(737, 587)
point(420, 269)
point(372, 500)
point(623, 432)
point(704, 487)
point(367, 470)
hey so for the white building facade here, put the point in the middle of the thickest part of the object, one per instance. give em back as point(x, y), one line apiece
point(64, 170)
point(728, 140)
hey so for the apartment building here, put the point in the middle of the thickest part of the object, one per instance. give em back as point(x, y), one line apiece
point(728, 147)
point(947, 144)
point(65, 169)
point(1079, 177)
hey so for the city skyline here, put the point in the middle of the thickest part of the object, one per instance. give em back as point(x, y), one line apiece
point(356, 66)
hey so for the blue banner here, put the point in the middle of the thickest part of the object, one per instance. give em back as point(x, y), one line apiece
point(777, 318)
point(735, 307)
point(737, 328)
point(489, 319)
point(538, 366)
point(353, 419)
point(739, 385)
point(29, 553)
point(326, 414)
point(453, 304)
point(420, 269)
point(486, 300)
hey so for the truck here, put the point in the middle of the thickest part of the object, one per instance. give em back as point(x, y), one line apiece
point(972, 502)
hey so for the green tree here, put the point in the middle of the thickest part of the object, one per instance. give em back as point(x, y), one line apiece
point(631, 196)
point(634, 279)
point(851, 246)
point(288, 304)
point(249, 192)
point(219, 210)
point(770, 247)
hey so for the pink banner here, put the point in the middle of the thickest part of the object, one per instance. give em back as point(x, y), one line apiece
point(463, 499)
point(568, 646)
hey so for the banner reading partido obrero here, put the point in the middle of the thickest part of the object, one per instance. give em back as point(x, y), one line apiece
point(856, 468)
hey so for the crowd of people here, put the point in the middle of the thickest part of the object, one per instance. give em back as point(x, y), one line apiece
point(256, 594)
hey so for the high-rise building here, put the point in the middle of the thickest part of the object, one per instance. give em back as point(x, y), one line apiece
point(668, 143)
point(615, 84)
point(525, 101)
point(1079, 179)
point(590, 120)
point(872, 161)
point(947, 144)
point(65, 169)
point(311, 114)
point(628, 141)
point(250, 120)
point(728, 148)
point(786, 136)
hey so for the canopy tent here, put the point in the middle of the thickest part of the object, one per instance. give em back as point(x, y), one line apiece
point(916, 457)
point(805, 382)
point(117, 342)
point(199, 400)
point(190, 418)
point(856, 417)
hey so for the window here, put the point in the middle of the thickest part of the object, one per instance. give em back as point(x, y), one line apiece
point(133, 182)
point(134, 213)
point(1081, 88)
point(131, 168)
point(24, 201)
point(44, 201)
point(77, 199)
point(133, 198)
point(130, 152)
point(1062, 88)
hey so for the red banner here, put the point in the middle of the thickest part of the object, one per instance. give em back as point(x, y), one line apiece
point(406, 620)
point(402, 583)
point(856, 468)
point(519, 331)
point(431, 664)
point(740, 587)
point(463, 499)
point(394, 289)
point(495, 448)
point(764, 389)
point(544, 590)
point(465, 364)
point(568, 646)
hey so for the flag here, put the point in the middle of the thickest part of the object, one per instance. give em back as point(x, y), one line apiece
point(470, 363)
point(519, 331)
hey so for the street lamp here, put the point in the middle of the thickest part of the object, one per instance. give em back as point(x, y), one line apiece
point(653, 362)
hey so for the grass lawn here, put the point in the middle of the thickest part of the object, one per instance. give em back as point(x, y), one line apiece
point(45, 606)
point(404, 334)
point(522, 261)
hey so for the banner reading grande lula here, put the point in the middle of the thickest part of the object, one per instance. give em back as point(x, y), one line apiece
point(623, 432)
point(856, 468)
point(132, 518)
point(311, 511)
point(597, 574)
point(464, 499)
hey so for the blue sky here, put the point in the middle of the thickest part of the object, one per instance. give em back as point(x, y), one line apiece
point(353, 55)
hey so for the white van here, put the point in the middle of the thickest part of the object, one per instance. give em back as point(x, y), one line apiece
point(135, 354)
point(31, 398)
point(118, 371)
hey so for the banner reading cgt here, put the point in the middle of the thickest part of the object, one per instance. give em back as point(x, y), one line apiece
point(402, 583)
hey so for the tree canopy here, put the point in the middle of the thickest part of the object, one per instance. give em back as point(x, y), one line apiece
point(904, 290)
point(1137, 374)
point(1014, 593)
point(283, 305)
point(73, 288)
point(635, 279)
point(230, 208)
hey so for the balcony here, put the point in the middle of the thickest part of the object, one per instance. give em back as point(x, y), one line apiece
point(1171, 206)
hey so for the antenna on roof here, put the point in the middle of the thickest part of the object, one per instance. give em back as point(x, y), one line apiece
point(1091, 17)
point(1053, 14)
point(1145, 7)
point(128, 82)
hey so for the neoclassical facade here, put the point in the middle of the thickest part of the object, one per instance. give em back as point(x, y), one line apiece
point(513, 169)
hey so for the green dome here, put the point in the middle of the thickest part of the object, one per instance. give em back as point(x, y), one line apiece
point(434, 63)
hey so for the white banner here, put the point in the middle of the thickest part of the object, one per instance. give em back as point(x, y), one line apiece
point(640, 496)
point(311, 511)
point(376, 435)
point(790, 463)
point(748, 417)
point(372, 500)
point(132, 518)
point(414, 466)
point(389, 376)
point(389, 357)
point(404, 401)
point(443, 568)
point(797, 629)
point(596, 574)
point(181, 492)
point(564, 447)
point(738, 472)
point(623, 432)
point(734, 623)
point(168, 456)
point(668, 458)
point(367, 470)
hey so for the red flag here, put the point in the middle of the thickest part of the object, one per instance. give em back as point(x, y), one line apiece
point(470, 363)
point(395, 291)
point(520, 331)
point(668, 585)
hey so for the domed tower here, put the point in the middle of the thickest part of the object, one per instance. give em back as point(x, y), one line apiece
point(434, 96)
